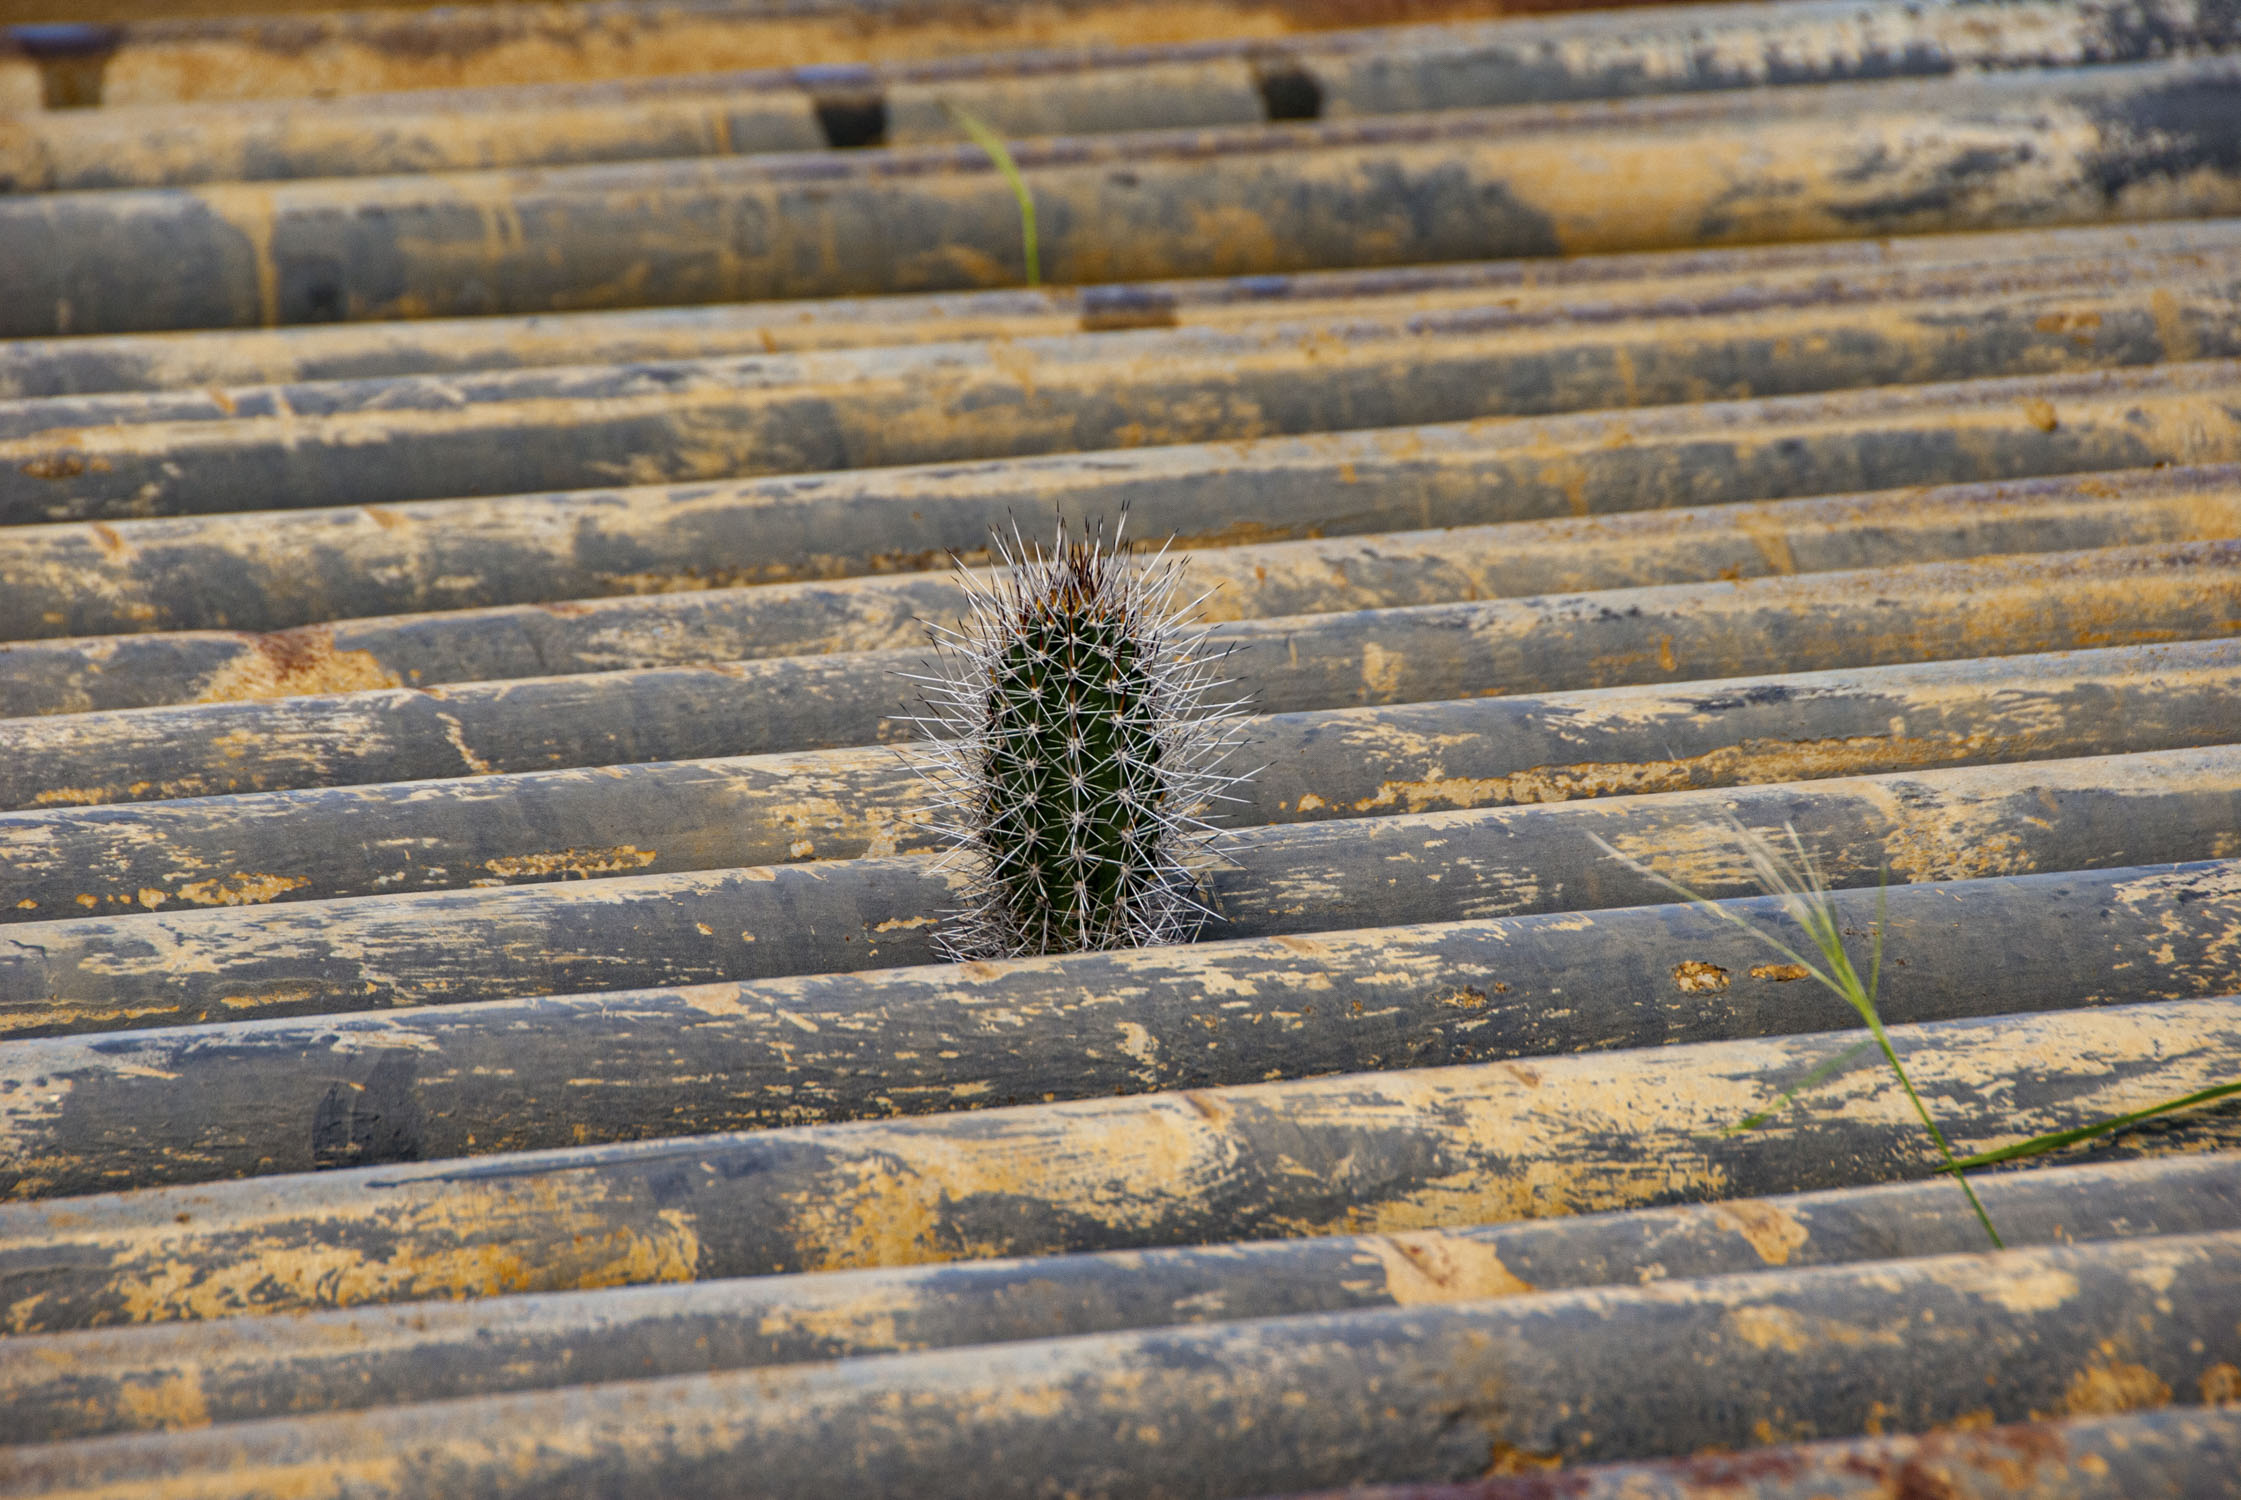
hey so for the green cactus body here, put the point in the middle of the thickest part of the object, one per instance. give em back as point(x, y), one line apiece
point(1075, 752)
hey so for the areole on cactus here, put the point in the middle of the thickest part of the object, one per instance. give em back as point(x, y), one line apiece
point(1075, 751)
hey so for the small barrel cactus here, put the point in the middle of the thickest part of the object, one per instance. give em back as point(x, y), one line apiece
point(1075, 752)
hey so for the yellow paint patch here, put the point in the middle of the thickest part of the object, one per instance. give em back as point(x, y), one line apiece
point(1773, 1233)
point(1428, 1266)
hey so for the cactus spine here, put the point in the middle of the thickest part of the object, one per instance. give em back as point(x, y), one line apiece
point(1074, 752)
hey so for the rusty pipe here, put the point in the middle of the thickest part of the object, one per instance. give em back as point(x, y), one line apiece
point(185, 1104)
point(2178, 1450)
point(380, 442)
point(1379, 571)
point(93, 364)
point(166, 968)
point(154, 1377)
point(1231, 81)
point(1672, 633)
point(1361, 1153)
point(268, 570)
point(2147, 141)
point(528, 827)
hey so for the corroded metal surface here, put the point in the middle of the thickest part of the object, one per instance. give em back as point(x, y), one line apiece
point(1225, 82)
point(531, 827)
point(2176, 1451)
point(1673, 633)
point(168, 1376)
point(243, 1099)
point(1380, 571)
point(323, 52)
point(1364, 1153)
point(1827, 161)
point(92, 364)
point(166, 968)
point(1434, 1391)
point(265, 570)
point(423, 437)
point(1428, 1392)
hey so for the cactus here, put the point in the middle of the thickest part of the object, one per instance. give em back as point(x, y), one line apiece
point(1074, 752)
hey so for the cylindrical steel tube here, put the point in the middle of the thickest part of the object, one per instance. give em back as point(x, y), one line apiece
point(1227, 82)
point(372, 952)
point(2145, 141)
point(1675, 633)
point(58, 1387)
point(1442, 1391)
point(204, 1103)
point(1379, 571)
point(1358, 1153)
point(665, 816)
point(266, 570)
point(380, 442)
point(269, 569)
point(92, 364)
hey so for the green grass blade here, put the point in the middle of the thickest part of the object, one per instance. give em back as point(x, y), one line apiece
point(2040, 1144)
point(1001, 154)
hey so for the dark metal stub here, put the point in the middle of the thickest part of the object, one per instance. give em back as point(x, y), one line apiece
point(72, 57)
point(1289, 91)
point(851, 120)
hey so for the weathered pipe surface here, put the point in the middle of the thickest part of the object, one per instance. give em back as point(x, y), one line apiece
point(159, 1376)
point(1381, 571)
point(276, 569)
point(1434, 1391)
point(1556, 642)
point(325, 52)
point(1355, 1154)
point(93, 364)
point(2145, 141)
point(418, 437)
point(1438, 1391)
point(254, 1098)
point(1228, 82)
point(531, 827)
point(628, 932)
point(2175, 1451)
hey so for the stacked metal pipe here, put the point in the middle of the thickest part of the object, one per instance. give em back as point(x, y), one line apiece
point(470, 1018)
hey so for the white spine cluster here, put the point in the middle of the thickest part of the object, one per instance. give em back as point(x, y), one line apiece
point(1075, 753)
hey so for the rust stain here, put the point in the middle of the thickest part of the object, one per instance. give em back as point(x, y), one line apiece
point(294, 663)
point(581, 863)
point(2221, 1385)
point(1780, 973)
point(1427, 1266)
point(240, 890)
point(1766, 1227)
point(2118, 1386)
point(1696, 977)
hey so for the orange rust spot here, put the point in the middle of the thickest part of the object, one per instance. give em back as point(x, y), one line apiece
point(1764, 1227)
point(294, 663)
point(2105, 1390)
point(2221, 1385)
point(1780, 973)
point(2040, 414)
point(1696, 977)
point(582, 863)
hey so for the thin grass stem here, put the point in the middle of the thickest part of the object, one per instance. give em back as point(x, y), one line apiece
point(1001, 154)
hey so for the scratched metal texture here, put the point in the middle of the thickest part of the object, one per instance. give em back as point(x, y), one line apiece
point(183, 1104)
point(823, 916)
point(1821, 161)
point(154, 1377)
point(379, 442)
point(1224, 81)
point(470, 1020)
point(92, 364)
